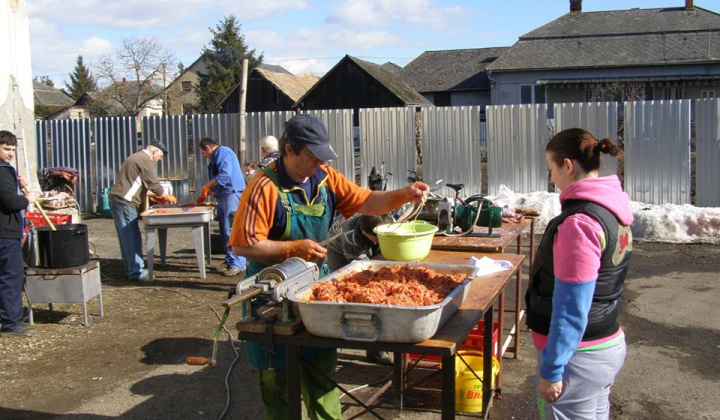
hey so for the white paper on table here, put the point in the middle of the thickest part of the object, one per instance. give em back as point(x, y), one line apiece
point(486, 265)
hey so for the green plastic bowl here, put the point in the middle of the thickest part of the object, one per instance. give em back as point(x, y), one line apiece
point(407, 241)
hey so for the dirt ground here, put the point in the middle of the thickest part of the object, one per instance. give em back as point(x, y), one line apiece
point(130, 363)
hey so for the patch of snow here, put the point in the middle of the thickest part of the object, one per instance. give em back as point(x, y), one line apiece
point(671, 223)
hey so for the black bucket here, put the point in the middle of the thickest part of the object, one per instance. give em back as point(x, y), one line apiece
point(68, 246)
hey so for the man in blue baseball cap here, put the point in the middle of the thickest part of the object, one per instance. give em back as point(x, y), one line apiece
point(286, 211)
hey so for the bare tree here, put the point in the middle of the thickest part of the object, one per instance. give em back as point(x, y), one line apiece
point(134, 74)
point(616, 91)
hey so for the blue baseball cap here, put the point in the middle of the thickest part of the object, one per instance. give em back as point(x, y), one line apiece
point(310, 130)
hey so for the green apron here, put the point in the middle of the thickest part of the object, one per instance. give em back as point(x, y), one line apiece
point(308, 221)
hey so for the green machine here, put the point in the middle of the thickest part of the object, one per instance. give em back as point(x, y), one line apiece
point(466, 214)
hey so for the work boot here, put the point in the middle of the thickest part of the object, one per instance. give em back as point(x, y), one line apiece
point(380, 357)
point(19, 330)
point(232, 271)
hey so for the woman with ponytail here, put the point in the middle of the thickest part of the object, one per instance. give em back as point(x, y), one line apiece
point(576, 280)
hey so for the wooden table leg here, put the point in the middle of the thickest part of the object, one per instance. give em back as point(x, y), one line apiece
point(448, 386)
point(501, 326)
point(487, 390)
point(518, 313)
point(293, 382)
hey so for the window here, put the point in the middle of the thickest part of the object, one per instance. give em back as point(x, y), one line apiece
point(532, 94)
point(186, 86)
point(441, 99)
point(187, 109)
point(707, 94)
point(672, 93)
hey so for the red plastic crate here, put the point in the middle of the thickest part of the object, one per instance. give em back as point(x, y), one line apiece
point(37, 219)
point(474, 341)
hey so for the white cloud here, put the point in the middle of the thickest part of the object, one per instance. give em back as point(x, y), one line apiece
point(316, 50)
point(379, 13)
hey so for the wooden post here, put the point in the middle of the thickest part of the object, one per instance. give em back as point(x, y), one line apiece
point(241, 111)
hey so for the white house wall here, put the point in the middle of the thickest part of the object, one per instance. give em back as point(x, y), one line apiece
point(16, 90)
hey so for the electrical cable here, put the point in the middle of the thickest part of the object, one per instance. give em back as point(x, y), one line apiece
point(229, 334)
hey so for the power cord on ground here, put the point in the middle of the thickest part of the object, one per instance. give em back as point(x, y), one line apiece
point(217, 315)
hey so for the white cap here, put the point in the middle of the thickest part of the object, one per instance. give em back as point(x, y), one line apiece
point(269, 143)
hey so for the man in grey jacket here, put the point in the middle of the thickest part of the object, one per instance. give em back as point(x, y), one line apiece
point(137, 176)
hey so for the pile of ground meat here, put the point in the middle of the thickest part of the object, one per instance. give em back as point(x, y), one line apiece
point(401, 285)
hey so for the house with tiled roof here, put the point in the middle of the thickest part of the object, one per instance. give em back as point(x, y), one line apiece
point(635, 54)
point(452, 77)
point(269, 88)
point(182, 96)
point(51, 103)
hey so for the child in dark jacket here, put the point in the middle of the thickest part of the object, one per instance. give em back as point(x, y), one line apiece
point(12, 268)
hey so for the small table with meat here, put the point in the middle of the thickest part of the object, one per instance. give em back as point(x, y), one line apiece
point(159, 220)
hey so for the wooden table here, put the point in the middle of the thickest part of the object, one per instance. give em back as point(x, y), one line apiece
point(509, 232)
point(483, 293)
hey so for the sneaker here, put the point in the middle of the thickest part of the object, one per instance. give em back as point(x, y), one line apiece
point(19, 330)
point(380, 357)
point(232, 271)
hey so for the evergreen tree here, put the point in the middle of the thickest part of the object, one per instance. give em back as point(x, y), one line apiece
point(81, 80)
point(224, 63)
point(45, 80)
point(181, 68)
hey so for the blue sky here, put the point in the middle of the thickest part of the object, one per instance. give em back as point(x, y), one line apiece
point(300, 35)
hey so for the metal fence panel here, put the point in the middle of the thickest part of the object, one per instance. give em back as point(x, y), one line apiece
point(387, 136)
point(707, 153)
point(259, 125)
point(451, 147)
point(517, 135)
point(68, 143)
point(172, 130)
point(599, 118)
point(115, 140)
point(657, 151)
point(222, 128)
point(339, 123)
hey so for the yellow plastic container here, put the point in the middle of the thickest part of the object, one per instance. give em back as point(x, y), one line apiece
point(407, 241)
point(468, 389)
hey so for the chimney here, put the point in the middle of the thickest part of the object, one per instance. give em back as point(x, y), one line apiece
point(576, 5)
point(689, 5)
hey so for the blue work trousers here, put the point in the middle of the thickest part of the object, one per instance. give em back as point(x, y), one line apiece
point(12, 276)
point(128, 229)
point(226, 206)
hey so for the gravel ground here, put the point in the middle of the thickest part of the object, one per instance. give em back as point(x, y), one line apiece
point(130, 363)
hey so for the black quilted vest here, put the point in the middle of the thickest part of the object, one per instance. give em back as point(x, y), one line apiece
point(602, 319)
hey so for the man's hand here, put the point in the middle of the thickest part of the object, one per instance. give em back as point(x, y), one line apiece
point(22, 182)
point(550, 391)
point(306, 249)
point(416, 192)
point(204, 194)
point(169, 198)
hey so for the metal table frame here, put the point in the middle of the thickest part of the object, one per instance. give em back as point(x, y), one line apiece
point(201, 236)
point(484, 291)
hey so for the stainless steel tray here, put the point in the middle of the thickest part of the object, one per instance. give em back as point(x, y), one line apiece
point(373, 322)
point(186, 217)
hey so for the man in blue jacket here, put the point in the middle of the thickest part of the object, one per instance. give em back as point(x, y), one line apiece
point(12, 269)
point(226, 183)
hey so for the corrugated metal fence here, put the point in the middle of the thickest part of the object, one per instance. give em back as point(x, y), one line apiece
point(657, 151)
point(707, 153)
point(387, 136)
point(451, 147)
point(656, 134)
point(517, 135)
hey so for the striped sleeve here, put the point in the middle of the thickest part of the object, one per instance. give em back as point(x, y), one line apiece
point(349, 195)
point(254, 215)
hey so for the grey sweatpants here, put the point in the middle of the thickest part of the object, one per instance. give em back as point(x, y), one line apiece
point(587, 380)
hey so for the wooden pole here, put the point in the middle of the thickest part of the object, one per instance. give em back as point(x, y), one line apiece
point(241, 111)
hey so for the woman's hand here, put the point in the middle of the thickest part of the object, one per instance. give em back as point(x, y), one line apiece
point(550, 391)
